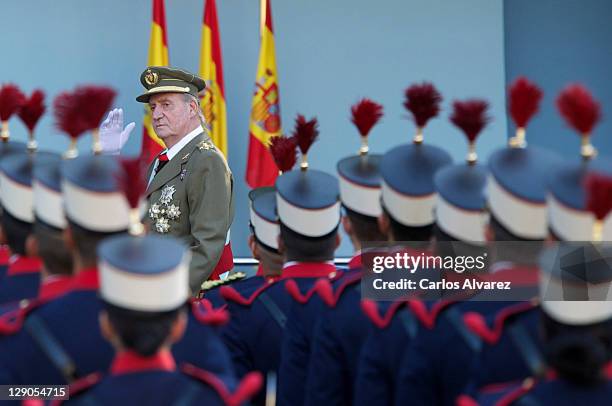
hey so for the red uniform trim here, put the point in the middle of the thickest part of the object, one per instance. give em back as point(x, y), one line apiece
point(80, 385)
point(230, 294)
point(53, 286)
point(19, 265)
point(205, 313)
point(127, 362)
point(370, 309)
point(5, 255)
point(519, 392)
point(308, 270)
point(86, 279)
point(326, 291)
point(249, 385)
point(465, 400)
point(477, 323)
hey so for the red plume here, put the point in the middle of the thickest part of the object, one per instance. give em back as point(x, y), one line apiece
point(94, 101)
point(11, 100)
point(33, 109)
point(470, 116)
point(599, 194)
point(366, 114)
point(423, 101)
point(578, 108)
point(305, 132)
point(68, 115)
point(131, 180)
point(525, 99)
point(283, 152)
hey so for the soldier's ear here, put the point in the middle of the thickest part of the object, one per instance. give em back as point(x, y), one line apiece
point(346, 224)
point(281, 245)
point(31, 246)
point(68, 239)
point(253, 247)
point(106, 328)
point(2, 236)
point(178, 327)
point(383, 224)
point(338, 240)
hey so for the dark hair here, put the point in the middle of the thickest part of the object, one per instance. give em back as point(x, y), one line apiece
point(302, 248)
point(16, 232)
point(578, 353)
point(52, 249)
point(365, 228)
point(407, 233)
point(142, 332)
point(86, 242)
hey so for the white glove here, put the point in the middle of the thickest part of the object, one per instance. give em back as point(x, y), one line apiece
point(112, 134)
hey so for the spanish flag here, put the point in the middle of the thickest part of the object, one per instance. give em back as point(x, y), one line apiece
point(158, 56)
point(265, 120)
point(213, 105)
point(211, 69)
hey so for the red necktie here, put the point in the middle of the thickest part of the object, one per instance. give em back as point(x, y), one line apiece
point(162, 161)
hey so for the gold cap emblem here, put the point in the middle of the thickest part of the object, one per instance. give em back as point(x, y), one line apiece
point(151, 78)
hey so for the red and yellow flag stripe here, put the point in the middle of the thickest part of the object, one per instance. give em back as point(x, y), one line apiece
point(158, 56)
point(265, 121)
point(211, 69)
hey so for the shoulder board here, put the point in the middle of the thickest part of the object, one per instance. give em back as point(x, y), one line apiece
point(370, 309)
point(248, 386)
point(513, 396)
point(205, 313)
point(326, 290)
point(81, 385)
point(211, 284)
point(318, 286)
point(231, 294)
point(12, 321)
point(477, 323)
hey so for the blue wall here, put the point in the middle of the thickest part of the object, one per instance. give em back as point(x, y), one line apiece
point(329, 54)
point(556, 42)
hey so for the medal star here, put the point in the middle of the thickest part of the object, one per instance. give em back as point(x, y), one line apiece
point(173, 212)
point(162, 226)
point(167, 194)
point(154, 211)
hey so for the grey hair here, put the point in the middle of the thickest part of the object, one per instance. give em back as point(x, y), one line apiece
point(188, 97)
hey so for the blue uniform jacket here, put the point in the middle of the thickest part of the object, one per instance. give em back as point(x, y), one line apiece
point(60, 341)
point(21, 281)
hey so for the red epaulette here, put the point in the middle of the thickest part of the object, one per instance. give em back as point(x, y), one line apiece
point(320, 286)
point(478, 325)
point(326, 290)
point(248, 386)
point(81, 385)
point(370, 309)
point(231, 294)
point(12, 321)
point(206, 313)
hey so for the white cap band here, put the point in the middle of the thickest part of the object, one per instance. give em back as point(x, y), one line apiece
point(17, 199)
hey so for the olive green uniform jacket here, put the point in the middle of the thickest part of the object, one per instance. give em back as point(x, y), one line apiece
point(191, 198)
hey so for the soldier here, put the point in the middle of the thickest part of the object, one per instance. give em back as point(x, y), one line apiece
point(434, 369)
point(263, 243)
point(22, 280)
point(407, 215)
point(570, 219)
point(46, 240)
point(574, 352)
point(95, 209)
point(190, 189)
point(142, 327)
point(342, 329)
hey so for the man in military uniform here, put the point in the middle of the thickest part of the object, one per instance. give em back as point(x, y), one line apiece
point(190, 185)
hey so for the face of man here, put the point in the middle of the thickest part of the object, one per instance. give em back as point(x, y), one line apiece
point(173, 116)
